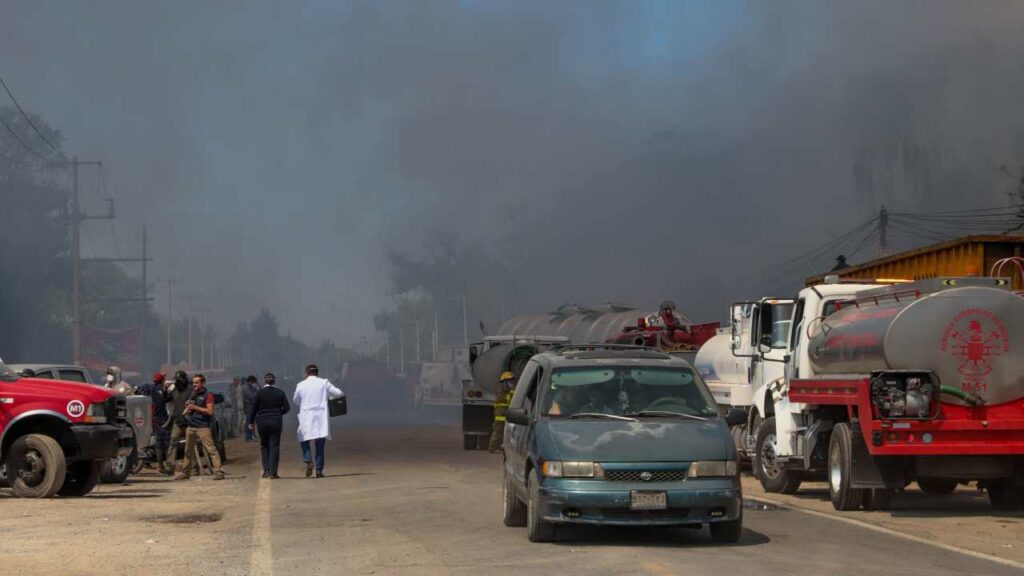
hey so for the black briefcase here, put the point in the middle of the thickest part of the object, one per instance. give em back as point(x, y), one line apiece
point(338, 406)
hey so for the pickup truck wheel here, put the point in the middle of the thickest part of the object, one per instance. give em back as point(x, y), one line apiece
point(514, 511)
point(774, 478)
point(36, 466)
point(937, 486)
point(728, 532)
point(840, 464)
point(537, 529)
point(1004, 495)
point(81, 478)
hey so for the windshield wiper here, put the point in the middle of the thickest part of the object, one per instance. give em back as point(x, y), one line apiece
point(667, 414)
point(601, 415)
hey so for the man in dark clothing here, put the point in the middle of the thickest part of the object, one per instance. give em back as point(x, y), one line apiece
point(162, 436)
point(175, 398)
point(248, 397)
point(199, 414)
point(264, 415)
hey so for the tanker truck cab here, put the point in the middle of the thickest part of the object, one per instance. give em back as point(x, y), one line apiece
point(54, 434)
point(887, 385)
point(774, 420)
point(734, 366)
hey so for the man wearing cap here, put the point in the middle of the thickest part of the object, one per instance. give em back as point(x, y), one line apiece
point(502, 399)
point(162, 435)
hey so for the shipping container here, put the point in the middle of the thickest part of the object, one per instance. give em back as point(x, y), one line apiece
point(966, 256)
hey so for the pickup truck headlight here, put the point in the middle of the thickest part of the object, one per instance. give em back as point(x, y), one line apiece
point(96, 413)
point(713, 469)
point(556, 469)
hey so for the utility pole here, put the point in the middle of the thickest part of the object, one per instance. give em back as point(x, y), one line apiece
point(170, 297)
point(191, 313)
point(143, 307)
point(75, 219)
point(883, 225)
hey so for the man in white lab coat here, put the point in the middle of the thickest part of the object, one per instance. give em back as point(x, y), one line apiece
point(311, 396)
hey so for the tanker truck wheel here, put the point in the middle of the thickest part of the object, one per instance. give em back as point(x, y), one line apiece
point(840, 468)
point(877, 499)
point(36, 466)
point(1005, 495)
point(773, 476)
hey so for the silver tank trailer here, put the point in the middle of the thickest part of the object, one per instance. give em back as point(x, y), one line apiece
point(971, 337)
point(579, 324)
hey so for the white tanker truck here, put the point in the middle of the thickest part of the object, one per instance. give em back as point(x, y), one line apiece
point(733, 367)
point(885, 385)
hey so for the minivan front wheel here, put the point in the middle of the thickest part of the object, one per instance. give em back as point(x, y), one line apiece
point(537, 529)
point(727, 532)
point(513, 508)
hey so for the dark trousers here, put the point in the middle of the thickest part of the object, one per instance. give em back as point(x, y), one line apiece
point(307, 457)
point(270, 442)
point(163, 440)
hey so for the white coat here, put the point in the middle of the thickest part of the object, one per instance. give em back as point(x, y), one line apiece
point(311, 397)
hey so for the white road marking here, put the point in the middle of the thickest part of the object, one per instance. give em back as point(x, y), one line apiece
point(889, 532)
point(261, 562)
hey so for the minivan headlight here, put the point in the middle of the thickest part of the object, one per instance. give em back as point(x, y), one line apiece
point(713, 469)
point(556, 469)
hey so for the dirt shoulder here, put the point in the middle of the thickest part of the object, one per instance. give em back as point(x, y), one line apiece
point(963, 519)
point(152, 525)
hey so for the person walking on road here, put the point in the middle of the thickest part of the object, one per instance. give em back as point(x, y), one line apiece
point(199, 414)
point(155, 391)
point(176, 396)
point(311, 396)
point(502, 399)
point(264, 415)
point(248, 397)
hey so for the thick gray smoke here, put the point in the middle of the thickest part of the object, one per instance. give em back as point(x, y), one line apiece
point(625, 151)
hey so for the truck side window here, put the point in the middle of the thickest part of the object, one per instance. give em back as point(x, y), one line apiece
point(72, 376)
point(46, 374)
point(797, 324)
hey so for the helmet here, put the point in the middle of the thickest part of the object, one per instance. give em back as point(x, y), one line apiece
point(158, 377)
point(507, 376)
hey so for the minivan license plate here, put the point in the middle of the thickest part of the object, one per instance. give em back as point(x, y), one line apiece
point(647, 500)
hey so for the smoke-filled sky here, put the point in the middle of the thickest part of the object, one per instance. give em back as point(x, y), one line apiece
point(627, 151)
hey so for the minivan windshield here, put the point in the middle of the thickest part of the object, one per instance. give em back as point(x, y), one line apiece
point(626, 390)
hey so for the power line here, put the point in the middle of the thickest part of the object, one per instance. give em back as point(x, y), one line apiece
point(27, 119)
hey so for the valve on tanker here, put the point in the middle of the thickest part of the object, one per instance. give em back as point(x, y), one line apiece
point(900, 395)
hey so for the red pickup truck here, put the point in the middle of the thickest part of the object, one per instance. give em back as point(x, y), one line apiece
point(54, 435)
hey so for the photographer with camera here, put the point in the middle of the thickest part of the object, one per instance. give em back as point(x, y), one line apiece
point(199, 413)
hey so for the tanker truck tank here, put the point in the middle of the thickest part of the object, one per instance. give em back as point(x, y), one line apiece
point(968, 332)
point(727, 375)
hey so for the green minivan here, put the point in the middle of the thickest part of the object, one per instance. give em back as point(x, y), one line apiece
point(616, 435)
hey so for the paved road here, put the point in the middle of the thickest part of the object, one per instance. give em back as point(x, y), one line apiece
point(409, 500)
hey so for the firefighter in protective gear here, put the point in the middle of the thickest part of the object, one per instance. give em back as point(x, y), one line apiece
point(502, 399)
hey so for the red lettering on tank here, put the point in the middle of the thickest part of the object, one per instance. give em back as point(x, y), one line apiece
point(975, 337)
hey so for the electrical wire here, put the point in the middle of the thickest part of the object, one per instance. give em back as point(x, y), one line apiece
point(27, 119)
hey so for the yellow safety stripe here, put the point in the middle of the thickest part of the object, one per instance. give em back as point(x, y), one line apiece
point(500, 405)
point(499, 418)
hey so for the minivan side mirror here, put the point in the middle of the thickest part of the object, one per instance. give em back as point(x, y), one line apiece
point(517, 416)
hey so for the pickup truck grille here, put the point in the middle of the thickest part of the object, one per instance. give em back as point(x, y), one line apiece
point(645, 476)
point(117, 409)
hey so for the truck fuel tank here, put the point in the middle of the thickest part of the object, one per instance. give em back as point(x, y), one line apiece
point(971, 338)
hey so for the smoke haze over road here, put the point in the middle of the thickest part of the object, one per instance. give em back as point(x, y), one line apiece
point(627, 151)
